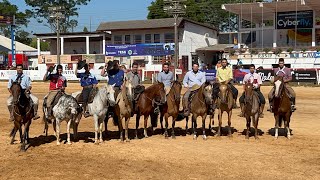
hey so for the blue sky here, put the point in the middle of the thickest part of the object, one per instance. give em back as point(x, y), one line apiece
point(98, 11)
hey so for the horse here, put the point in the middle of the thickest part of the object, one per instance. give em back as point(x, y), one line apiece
point(200, 103)
point(224, 103)
point(124, 108)
point(152, 96)
point(22, 113)
point(171, 107)
point(281, 106)
point(99, 108)
point(251, 109)
point(67, 109)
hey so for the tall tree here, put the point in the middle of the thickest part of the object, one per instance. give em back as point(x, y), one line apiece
point(8, 9)
point(40, 11)
point(85, 29)
point(156, 10)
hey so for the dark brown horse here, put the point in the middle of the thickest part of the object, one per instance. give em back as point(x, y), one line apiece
point(171, 107)
point(251, 109)
point(152, 96)
point(281, 106)
point(22, 113)
point(200, 103)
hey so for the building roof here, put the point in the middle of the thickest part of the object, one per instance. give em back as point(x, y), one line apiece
point(147, 24)
point(71, 34)
point(266, 10)
point(217, 47)
point(6, 44)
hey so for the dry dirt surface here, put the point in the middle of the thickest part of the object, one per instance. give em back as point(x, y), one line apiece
point(159, 158)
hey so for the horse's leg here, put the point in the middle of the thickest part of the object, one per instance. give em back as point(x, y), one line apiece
point(24, 137)
point(100, 130)
point(13, 134)
point(229, 124)
point(166, 116)
point(194, 122)
point(187, 119)
point(75, 131)
point(248, 118)
point(54, 124)
point(58, 131)
point(127, 129)
point(106, 119)
point(220, 122)
point(145, 132)
point(204, 137)
point(286, 122)
point(173, 126)
point(68, 131)
point(96, 128)
point(120, 127)
point(276, 127)
point(161, 121)
point(137, 124)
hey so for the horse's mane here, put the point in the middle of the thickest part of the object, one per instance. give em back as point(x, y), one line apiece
point(151, 88)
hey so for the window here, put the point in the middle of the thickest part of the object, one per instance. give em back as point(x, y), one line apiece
point(158, 59)
point(137, 39)
point(127, 39)
point(117, 39)
point(169, 37)
point(147, 38)
point(156, 38)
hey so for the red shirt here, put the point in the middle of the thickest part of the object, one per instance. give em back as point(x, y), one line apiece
point(57, 82)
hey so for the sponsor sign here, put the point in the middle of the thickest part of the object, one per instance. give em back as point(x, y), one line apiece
point(178, 71)
point(289, 20)
point(304, 76)
point(154, 49)
point(210, 74)
point(266, 74)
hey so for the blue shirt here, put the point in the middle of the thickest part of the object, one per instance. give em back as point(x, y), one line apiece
point(165, 78)
point(87, 79)
point(25, 81)
point(192, 78)
point(116, 77)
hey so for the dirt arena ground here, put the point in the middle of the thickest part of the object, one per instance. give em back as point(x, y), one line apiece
point(160, 158)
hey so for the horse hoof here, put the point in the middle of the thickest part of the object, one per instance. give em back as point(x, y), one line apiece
point(96, 142)
point(127, 140)
point(58, 143)
point(146, 136)
point(23, 149)
point(166, 137)
point(173, 137)
point(275, 138)
point(256, 137)
point(136, 137)
point(288, 137)
point(204, 137)
point(69, 143)
point(230, 135)
point(194, 137)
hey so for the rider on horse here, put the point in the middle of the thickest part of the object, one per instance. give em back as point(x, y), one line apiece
point(166, 77)
point(255, 79)
point(88, 82)
point(25, 83)
point(57, 86)
point(225, 75)
point(287, 77)
point(193, 80)
point(135, 79)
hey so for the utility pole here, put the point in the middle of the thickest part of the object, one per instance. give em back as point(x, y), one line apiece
point(13, 41)
point(57, 13)
point(175, 8)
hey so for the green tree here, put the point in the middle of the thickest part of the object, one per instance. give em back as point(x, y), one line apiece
point(8, 9)
point(40, 11)
point(156, 10)
point(85, 29)
point(44, 45)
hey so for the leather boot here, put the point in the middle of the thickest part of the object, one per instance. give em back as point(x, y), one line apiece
point(261, 115)
point(10, 108)
point(85, 112)
point(35, 113)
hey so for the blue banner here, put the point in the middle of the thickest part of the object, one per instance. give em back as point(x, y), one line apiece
point(289, 20)
point(154, 49)
point(210, 74)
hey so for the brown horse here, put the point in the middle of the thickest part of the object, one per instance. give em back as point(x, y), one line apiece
point(200, 103)
point(124, 108)
point(22, 113)
point(171, 107)
point(224, 103)
point(281, 106)
point(251, 109)
point(153, 95)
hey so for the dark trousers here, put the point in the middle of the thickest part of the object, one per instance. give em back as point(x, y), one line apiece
point(260, 95)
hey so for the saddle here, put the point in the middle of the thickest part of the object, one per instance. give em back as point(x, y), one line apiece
point(92, 94)
point(192, 93)
point(138, 91)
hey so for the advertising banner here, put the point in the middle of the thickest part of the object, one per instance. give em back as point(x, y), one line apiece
point(304, 76)
point(154, 49)
point(289, 20)
point(266, 74)
point(210, 75)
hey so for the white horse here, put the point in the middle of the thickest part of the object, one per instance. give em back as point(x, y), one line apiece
point(67, 109)
point(99, 107)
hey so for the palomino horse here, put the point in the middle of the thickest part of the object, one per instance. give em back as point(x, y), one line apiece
point(281, 106)
point(99, 107)
point(22, 113)
point(152, 96)
point(171, 107)
point(124, 108)
point(200, 105)
point(224, 103)
point(251, 109)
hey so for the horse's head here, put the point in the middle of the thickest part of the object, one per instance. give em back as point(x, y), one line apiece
point(278, 86)
point(248, 91)
point(208, 93)
point(177, 87)
point(16, 91)
point(110, 94)
point(129, 89)
point(224, 89)
point(160, 93)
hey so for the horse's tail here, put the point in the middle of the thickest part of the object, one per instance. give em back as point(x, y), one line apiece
point(115, 120)
point(154, 119)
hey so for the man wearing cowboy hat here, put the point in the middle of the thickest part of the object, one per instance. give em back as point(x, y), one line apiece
point(193, 80)
point(166, 77)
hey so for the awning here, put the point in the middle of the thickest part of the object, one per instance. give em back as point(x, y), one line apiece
point(216, 48)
